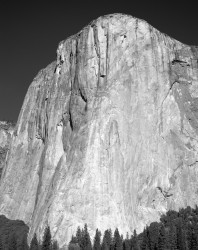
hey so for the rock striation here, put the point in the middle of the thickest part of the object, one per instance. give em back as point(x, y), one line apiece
point(6, 131)
point(107, 134)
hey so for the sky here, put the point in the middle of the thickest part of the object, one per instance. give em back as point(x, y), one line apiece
point(30, 32)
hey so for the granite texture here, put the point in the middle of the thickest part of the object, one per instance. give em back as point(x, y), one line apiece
point(107, 134)
point(6, 131)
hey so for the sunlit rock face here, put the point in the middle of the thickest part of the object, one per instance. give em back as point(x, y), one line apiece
point(107, 134)
point(6, 131)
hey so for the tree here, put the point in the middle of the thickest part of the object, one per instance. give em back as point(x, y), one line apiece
point(85, 242)
point(104, 245)
point(127, 243)
point(22, 243)
point(46, 244)
point(97, 240)
point(78, 237)
point(162, 238)
point(180, 235)
point(34, 245)
point(134, 241)
point(172, 237)
point(107, 239)
point(1, 244)
point(153, 235)
point(74, 244)
point(193, 241)
point(12, 243)
point(13, 233)
point(145, 240)
point(117, 240)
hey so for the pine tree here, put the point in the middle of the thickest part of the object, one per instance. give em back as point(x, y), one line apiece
point(34, 245)
point(97, 240)
point(117, 240)
point(145, 240)
point(73, 244)
point(153, 235)
point(104, 245)
point(79, 236)
point(86, 241)
point(134, 241)
point(127, 243)
point(46, 244)
point(74, 240)
point(107, 239)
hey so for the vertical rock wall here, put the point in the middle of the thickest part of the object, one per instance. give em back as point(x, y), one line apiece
point(107, 134)
point(6, 131)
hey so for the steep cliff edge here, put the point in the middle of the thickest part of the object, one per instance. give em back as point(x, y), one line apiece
point(108, 134)
point(6, 131)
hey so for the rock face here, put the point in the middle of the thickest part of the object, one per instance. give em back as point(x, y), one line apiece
point(108, 134)
point(6, 131)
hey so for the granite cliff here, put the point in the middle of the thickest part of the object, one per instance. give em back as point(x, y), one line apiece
point(107, 134)
point(6, 131)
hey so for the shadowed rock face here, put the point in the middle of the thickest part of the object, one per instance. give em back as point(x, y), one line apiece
point(107, 134)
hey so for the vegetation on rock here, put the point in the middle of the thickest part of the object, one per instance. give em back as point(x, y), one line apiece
point(176, 230)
